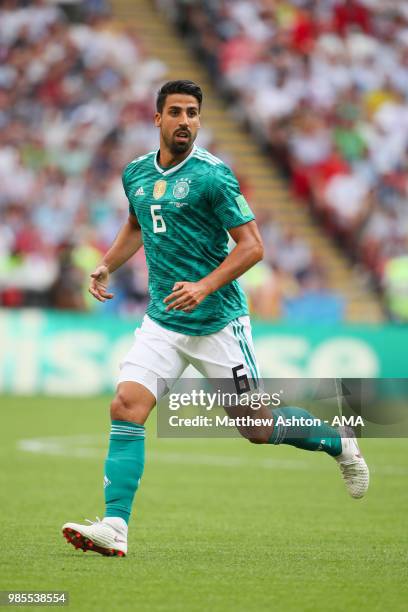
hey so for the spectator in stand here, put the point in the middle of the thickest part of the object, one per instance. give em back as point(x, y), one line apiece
point(293, 255)
point(346, 134)
point(310, 145)
point(395, 281)
point(350, 14)
point(347, 198)
point(314, 301)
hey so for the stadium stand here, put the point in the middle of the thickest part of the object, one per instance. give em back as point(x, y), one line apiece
point(76, 92)
point(323, 85)
point(75, 107)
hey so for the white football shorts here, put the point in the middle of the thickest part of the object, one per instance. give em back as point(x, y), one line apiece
point(159, 356)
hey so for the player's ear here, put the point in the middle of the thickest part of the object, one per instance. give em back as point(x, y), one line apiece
point(157, 119)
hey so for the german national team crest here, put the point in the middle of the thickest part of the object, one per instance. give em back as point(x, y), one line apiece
point(181, 188)
point(159, 189)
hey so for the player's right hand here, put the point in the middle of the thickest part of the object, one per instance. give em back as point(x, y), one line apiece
point(99, 284)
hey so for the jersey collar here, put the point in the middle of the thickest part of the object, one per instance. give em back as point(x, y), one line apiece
point(172, 168)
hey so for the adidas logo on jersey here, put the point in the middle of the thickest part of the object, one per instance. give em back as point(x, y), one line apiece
point(140, 192)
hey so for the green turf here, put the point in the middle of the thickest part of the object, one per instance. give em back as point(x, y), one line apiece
point(219, 525)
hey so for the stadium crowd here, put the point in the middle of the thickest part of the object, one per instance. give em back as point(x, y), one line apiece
point(75, 108)
point(323, 84)
point(76, 99)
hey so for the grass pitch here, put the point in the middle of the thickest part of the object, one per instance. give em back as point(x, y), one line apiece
point(219, 525)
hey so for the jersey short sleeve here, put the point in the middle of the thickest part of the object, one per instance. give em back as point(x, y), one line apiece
point(125, 187)
point(228, 203)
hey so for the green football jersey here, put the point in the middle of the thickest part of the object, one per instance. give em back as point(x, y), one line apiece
point(184, 212)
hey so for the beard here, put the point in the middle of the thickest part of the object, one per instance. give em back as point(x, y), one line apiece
point(177, 148)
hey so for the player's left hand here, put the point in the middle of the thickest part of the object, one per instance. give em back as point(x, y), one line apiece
point(186, 296)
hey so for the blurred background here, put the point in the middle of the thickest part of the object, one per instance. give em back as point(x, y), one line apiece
point(306, 100)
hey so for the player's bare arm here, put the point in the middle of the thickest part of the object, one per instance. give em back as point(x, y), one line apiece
point(127, 242)
point(247, 252)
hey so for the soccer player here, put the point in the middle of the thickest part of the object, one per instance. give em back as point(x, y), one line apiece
point(183, 203)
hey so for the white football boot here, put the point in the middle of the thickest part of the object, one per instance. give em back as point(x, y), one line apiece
point(352, 465)
point(107, 537)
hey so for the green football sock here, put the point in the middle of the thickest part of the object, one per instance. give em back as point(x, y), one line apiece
point(123, 467)
point(320, 437)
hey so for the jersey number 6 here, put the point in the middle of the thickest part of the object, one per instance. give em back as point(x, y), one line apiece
point(158, 221)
